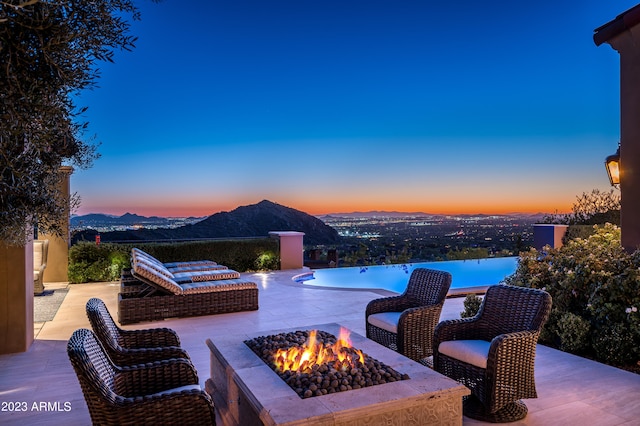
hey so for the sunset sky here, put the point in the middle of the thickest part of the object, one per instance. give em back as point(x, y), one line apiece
point(339, 106)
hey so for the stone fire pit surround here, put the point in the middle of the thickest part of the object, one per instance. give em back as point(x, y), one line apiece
point(330, 377)
point(247, 391)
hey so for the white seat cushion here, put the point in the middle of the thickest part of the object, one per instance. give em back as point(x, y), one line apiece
point(474, 352)
point(385, 320)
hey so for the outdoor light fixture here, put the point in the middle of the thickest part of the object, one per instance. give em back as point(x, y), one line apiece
point(612, 163)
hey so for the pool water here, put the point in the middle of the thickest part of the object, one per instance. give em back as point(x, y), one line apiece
point(465, 274)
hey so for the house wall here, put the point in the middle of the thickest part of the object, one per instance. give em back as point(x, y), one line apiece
point(16, 298)
point(627, 44)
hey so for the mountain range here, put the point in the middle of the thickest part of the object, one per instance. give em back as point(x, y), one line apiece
point(127, 219)
point(394, 214)
point(255, 220)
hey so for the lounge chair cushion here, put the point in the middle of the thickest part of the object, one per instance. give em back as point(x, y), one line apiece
point(157, 277)
point(195, 268)
point(175, 272)
point(153, 265)
point(385, 320)
point(206, 263)
point(192, 265)
point(474, 352)
point(220, 274)
point(215, 286)
point(190, 276)
point(137, 253)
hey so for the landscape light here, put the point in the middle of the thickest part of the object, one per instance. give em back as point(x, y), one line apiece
point(612, 163)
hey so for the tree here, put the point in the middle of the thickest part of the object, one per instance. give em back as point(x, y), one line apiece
point(595, 208)
point(48, 53)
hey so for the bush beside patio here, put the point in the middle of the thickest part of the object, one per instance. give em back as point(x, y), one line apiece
point(595, 287)
point(90, 262)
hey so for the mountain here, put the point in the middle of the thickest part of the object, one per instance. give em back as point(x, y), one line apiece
point(259, 219)
point(255, 220)
point(125, 219)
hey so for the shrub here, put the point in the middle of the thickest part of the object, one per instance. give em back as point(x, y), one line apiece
point(468, 253)
point(573, 332)
point(86, 252)
point(104, 262)
point(77, 272)
point(117, 262)
point(471, 306)
point(241, 255)
point(595, 208)
point(615, 344)
point(92, 262)
point(595, 287)
point(267, 261)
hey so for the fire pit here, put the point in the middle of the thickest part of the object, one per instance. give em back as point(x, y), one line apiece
point(247, 391)
point(316, 363)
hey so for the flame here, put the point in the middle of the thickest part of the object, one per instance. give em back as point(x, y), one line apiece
point(312, 353)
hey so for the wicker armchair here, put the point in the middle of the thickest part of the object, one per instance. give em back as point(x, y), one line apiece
point(405, 323)
point(162, 392)
point(128, 347)
point(493, 353)
point(40, 254)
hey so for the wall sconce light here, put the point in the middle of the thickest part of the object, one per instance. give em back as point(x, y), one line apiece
point(612, 163)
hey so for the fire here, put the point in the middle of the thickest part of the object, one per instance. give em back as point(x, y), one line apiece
point(303, 358)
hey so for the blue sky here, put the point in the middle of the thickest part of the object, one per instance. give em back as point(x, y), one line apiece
point(337, 106)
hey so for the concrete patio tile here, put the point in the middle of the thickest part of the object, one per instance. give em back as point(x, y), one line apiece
point(571, 390)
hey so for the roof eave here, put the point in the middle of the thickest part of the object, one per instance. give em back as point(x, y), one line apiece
point(620, 24)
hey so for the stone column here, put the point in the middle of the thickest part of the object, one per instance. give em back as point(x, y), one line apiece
point(291, 248)
point(16, 298)
point(58, 260)
point(548, 234)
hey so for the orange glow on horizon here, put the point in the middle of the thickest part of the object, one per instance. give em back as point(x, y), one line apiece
point(318, 208)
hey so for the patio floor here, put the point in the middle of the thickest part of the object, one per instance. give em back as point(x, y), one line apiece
point(571, 390)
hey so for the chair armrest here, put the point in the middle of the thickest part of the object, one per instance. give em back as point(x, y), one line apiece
point(511, 364)
point(188, 407)
point(149, 338)
point(421, 316)
point(387, 304)
point(515, 349)
point(457, 329)
point(146, 355)
point(415, 330)
point(150, 378)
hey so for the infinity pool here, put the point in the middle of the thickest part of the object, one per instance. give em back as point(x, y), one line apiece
point(465, 274)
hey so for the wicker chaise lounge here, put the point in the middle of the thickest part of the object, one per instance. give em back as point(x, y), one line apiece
point(167, 298)
point(175, 267)
point(189, 273)
point(136, 251)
